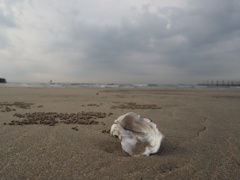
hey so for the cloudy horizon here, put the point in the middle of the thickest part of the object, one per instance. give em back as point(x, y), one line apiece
point(131, 41)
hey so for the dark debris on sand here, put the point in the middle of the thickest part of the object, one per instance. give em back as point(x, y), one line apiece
point(52, 118)
point(136, 106)
point(8, 107)
point(106, 131)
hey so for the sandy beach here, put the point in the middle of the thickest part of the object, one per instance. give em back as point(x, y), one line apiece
point(201, 128)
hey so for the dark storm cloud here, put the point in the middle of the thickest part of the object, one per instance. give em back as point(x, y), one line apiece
point(212, 21)
point(200, 30)
point(109, 46)
point(208, 26)
point(199, 40)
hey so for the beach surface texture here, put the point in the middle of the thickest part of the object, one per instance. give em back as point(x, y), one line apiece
point(63, 133)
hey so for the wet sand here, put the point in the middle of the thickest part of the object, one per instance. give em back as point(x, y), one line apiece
point(201, 128)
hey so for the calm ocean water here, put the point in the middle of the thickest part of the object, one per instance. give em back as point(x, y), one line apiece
point(112, 85)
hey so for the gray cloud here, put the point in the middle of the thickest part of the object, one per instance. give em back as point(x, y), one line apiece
point(186, 42)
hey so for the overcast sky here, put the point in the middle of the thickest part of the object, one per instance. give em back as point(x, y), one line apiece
point(127, 41)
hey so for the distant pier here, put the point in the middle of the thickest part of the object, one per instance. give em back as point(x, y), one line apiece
point(220, 83)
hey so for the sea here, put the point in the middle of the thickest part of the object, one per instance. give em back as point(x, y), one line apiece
point(115, 85)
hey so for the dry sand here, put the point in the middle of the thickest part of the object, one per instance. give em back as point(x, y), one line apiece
point(202, 129)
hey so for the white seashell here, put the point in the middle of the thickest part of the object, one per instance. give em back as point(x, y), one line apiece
point(131, 128)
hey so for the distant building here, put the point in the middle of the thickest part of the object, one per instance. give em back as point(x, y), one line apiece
point(2, 80)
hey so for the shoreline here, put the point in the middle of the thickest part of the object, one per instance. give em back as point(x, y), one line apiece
point(201, 129)
point(119, 86)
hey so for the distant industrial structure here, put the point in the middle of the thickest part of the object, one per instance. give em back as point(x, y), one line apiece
point(222, 83)
point(2, 80)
